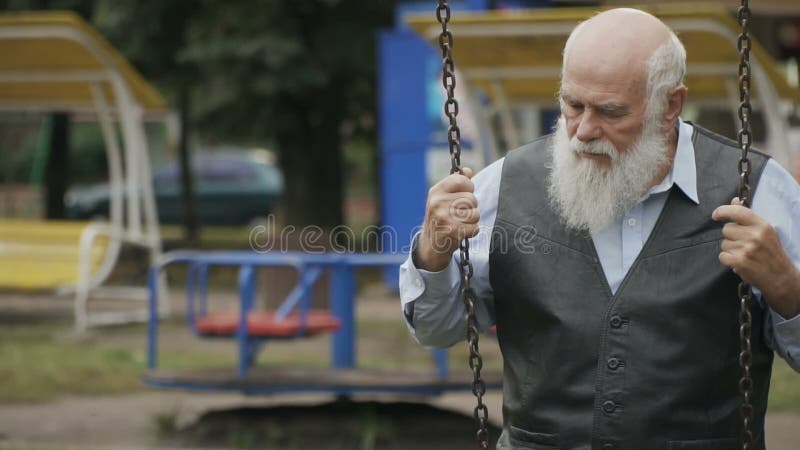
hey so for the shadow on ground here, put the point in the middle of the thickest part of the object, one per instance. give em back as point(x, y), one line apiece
point(335, 425)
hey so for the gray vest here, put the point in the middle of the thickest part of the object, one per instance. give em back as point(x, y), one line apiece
point(654, 366)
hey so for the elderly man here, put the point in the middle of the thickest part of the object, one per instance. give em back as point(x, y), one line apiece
point(603, 255)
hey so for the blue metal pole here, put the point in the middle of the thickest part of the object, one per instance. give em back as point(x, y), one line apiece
point(203, 277)
point(306, 284)
point(152, 323)
point(246, 293)
point(342, 294)
point(440, 357)
point(191, 282)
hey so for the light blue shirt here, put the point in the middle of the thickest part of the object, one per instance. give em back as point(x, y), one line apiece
point(434, 312)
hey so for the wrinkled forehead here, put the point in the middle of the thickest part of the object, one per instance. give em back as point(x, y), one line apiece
point(605, 75)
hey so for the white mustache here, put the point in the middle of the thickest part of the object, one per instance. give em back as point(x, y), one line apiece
point(592, 148)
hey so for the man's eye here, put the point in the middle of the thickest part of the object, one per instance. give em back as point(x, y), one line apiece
point(576, 106)
point(613, 114)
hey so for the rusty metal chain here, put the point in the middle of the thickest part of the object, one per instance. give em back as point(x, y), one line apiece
point(468, 295)
point(745, 291)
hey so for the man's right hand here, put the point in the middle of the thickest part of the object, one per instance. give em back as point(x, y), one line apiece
point(451, 214)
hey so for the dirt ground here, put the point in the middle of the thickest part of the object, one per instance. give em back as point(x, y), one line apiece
point(171, 419)
point(228, 421)
point(132, 421)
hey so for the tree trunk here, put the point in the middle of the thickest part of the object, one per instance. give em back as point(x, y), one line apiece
point(57, 169)
point(311, 160)
point(191, 228)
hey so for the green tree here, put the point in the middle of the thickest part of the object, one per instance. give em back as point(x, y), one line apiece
point(297, 74)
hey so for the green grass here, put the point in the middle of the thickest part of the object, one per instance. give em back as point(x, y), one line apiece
point(41, 362)
point(37, 371)
point(212, 237)
point(40, 365)
point(784, 392)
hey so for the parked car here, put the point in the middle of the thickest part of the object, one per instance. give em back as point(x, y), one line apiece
point(230, 189)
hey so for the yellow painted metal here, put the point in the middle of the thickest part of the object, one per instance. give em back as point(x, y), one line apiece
point(494, 47)
point(71, 46)
point(39, 256)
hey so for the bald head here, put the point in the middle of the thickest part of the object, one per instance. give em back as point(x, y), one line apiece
point(618, 42)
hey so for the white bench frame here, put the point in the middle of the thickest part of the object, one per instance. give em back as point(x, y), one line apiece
point(131, 186)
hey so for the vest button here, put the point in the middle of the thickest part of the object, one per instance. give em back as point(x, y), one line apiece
point(609, 406)
point(615, 322)
point(613, 363)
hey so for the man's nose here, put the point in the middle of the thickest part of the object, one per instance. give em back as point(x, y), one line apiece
point(588, 127)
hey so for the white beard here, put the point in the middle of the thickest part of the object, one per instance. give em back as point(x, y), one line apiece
point(589, 198)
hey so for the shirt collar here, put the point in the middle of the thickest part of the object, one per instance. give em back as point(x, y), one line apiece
point(683, 172)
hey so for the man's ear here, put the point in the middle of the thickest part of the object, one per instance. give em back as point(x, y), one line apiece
point(675, 105)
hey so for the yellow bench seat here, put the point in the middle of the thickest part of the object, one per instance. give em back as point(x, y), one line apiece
point(43, 255)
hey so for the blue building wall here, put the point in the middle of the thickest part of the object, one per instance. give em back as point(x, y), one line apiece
point(404, 131)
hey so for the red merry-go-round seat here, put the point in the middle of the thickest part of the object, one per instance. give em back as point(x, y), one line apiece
point(266, 324)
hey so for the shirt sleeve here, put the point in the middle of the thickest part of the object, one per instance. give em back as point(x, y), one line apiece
point(431, 301)
point(777, 200)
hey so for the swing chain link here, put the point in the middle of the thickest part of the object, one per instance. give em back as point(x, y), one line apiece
point(745, 291)
point(468, 295)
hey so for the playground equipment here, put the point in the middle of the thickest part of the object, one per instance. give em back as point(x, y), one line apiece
point(294, 318)
point(56, 62)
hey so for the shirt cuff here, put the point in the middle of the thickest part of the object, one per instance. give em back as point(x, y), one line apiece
point(433, 284)
point(787, 333)
point(419, 284)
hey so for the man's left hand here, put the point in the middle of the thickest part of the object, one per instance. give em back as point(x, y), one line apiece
point(752, 248)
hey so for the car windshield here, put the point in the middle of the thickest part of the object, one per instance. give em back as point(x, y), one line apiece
point(225, 170)
point(210, 170)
